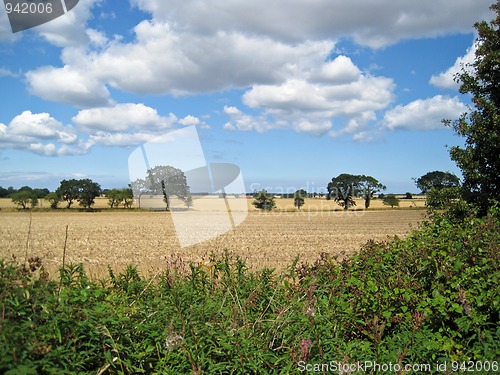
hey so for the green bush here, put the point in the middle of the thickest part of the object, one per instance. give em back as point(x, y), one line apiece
point(428, 298)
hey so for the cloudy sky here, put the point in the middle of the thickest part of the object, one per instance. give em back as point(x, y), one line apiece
point(292, 91)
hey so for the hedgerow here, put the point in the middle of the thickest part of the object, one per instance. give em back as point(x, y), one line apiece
point(428, 298)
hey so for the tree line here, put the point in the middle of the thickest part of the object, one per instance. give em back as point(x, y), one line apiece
point(82, 191)
point(439, 187)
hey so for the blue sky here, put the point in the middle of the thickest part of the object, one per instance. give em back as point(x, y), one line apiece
point(293, 92)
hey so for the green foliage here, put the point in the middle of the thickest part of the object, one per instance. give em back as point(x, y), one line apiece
point(23, 198)
point(263, 200)
point(437, 180)
point(117, 197)
point(69, 191)
point(342, 189)
point(163, 180)
point(368, 187)
point(53, 199)
point(298, 198)
point(480, 127)
point(431, 297)
point(84, 191)
point(442, 198)
point(88, 190)
point(390, 200)
point(345, 187)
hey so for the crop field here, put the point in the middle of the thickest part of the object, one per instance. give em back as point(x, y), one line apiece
point(119, 237)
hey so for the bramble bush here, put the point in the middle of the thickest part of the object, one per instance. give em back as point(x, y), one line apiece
point(432, 296)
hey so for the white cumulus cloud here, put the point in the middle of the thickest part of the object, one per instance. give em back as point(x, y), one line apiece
point(122, 117)
point(424, 114)
point(446, 79)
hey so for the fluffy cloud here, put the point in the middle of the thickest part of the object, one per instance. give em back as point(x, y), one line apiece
point(424, 114)
point(42, 134)
point(447, 79)
point(190, 47)
point(374, 24)
point(122, 117)
point(69, 29)
point(335, 89)
point(68, 85)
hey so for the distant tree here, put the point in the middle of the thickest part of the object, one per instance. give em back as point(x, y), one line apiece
point(263, 200)
point(479, 160)
point(437, 180)
point(369, 186)
point(163, 180)
point(343, 189)
point(298, 198)
point(69, 191)
point(88, 190)
point(22, 198)
point(4, 193)
point(53, 199)
point(408, 195)
point(391, 200)
point(115, 197)
point(127, 197)
point(41, 193)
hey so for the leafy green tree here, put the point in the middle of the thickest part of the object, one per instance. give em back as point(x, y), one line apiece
point(4, 193)
point(263, 200)
point(298, 198)
point(69, 191)
point(479, 160)
point(88, 190)
point(22, 198)
point(391, 200)
point(53, 199)
point(369, 186)
point(163, 180)
point(127, 197)
point(115, 197)
point(436, 180)
point(41, 193)
point(343, 189)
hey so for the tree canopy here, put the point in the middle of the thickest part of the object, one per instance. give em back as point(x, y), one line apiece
point(436, 180)
point(345, 187)
point(263, 200)
point(163, 180)
point(479, 158)
point(299, 197)
point(84, 191)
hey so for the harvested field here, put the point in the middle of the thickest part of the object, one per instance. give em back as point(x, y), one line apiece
point(118, 237)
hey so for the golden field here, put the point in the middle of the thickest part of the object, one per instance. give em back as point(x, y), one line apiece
point(120, 237)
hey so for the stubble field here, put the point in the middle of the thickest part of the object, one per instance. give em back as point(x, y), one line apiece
point(117, 238)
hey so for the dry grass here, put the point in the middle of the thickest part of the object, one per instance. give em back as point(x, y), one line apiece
point(118, 238)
